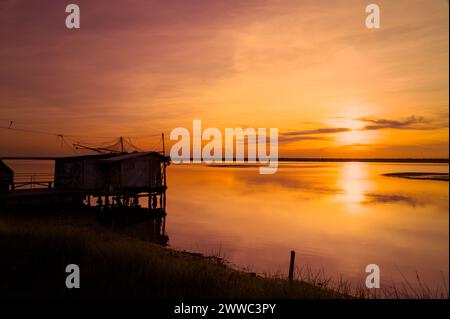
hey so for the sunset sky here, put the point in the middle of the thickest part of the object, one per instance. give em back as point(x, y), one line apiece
point(311, 68)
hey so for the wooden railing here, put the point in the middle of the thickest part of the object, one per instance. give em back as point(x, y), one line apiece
point(33, 181)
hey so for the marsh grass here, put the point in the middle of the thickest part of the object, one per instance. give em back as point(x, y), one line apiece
point(406, 289)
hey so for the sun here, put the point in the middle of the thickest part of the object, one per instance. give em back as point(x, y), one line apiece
point(355, 135)
point(350, 138)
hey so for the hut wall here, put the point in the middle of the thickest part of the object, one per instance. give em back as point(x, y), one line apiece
point(112, 173)
point(68, 173)
point(115, 173)
point(6, 178)
point(78, 174)
point(155, 176)
point(135, 172)
point(93, 175)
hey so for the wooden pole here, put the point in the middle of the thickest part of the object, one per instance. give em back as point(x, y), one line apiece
point(291, 266)
point(164, 174)
point(164, 148)
point(164, 202)
point(163, 194)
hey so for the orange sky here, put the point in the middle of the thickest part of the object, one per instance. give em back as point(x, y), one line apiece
point(310, 68)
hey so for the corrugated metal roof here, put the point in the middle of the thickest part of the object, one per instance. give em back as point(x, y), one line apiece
point(129, 156)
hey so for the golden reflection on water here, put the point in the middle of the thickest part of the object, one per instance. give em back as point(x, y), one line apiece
point(355, 184)
point(337, 216)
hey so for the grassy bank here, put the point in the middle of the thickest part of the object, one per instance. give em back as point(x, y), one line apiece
point(35, 254)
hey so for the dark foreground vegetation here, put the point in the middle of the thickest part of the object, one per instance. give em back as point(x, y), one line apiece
point(35, 255)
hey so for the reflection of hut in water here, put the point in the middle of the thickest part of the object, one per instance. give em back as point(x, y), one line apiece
point(137, 225)
point(6, 178)
point(109, 181)
point(153, 230)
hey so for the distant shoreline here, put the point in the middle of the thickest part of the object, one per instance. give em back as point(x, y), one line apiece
point(368, 160)
point(377, 160)
point(420, 176)
point(287, 159)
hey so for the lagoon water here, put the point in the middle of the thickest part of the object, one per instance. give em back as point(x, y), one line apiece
point(338, 217)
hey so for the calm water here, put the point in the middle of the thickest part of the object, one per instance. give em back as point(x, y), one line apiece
point(338, 217)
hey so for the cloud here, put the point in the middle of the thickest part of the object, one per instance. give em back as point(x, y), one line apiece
point(410, 123)
point(305, 135)
point(290, 137)
point(319, 131)
point(392, 198)
point(129, 58)
point(291, 182)
point(287, 139)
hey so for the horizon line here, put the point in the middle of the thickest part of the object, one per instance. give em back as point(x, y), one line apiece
point(281, 159)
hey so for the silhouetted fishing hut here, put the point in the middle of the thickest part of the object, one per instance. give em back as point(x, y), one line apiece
point(113, 180)
point(6, 178)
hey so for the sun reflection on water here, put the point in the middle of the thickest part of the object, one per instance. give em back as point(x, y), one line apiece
point(354, 182)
